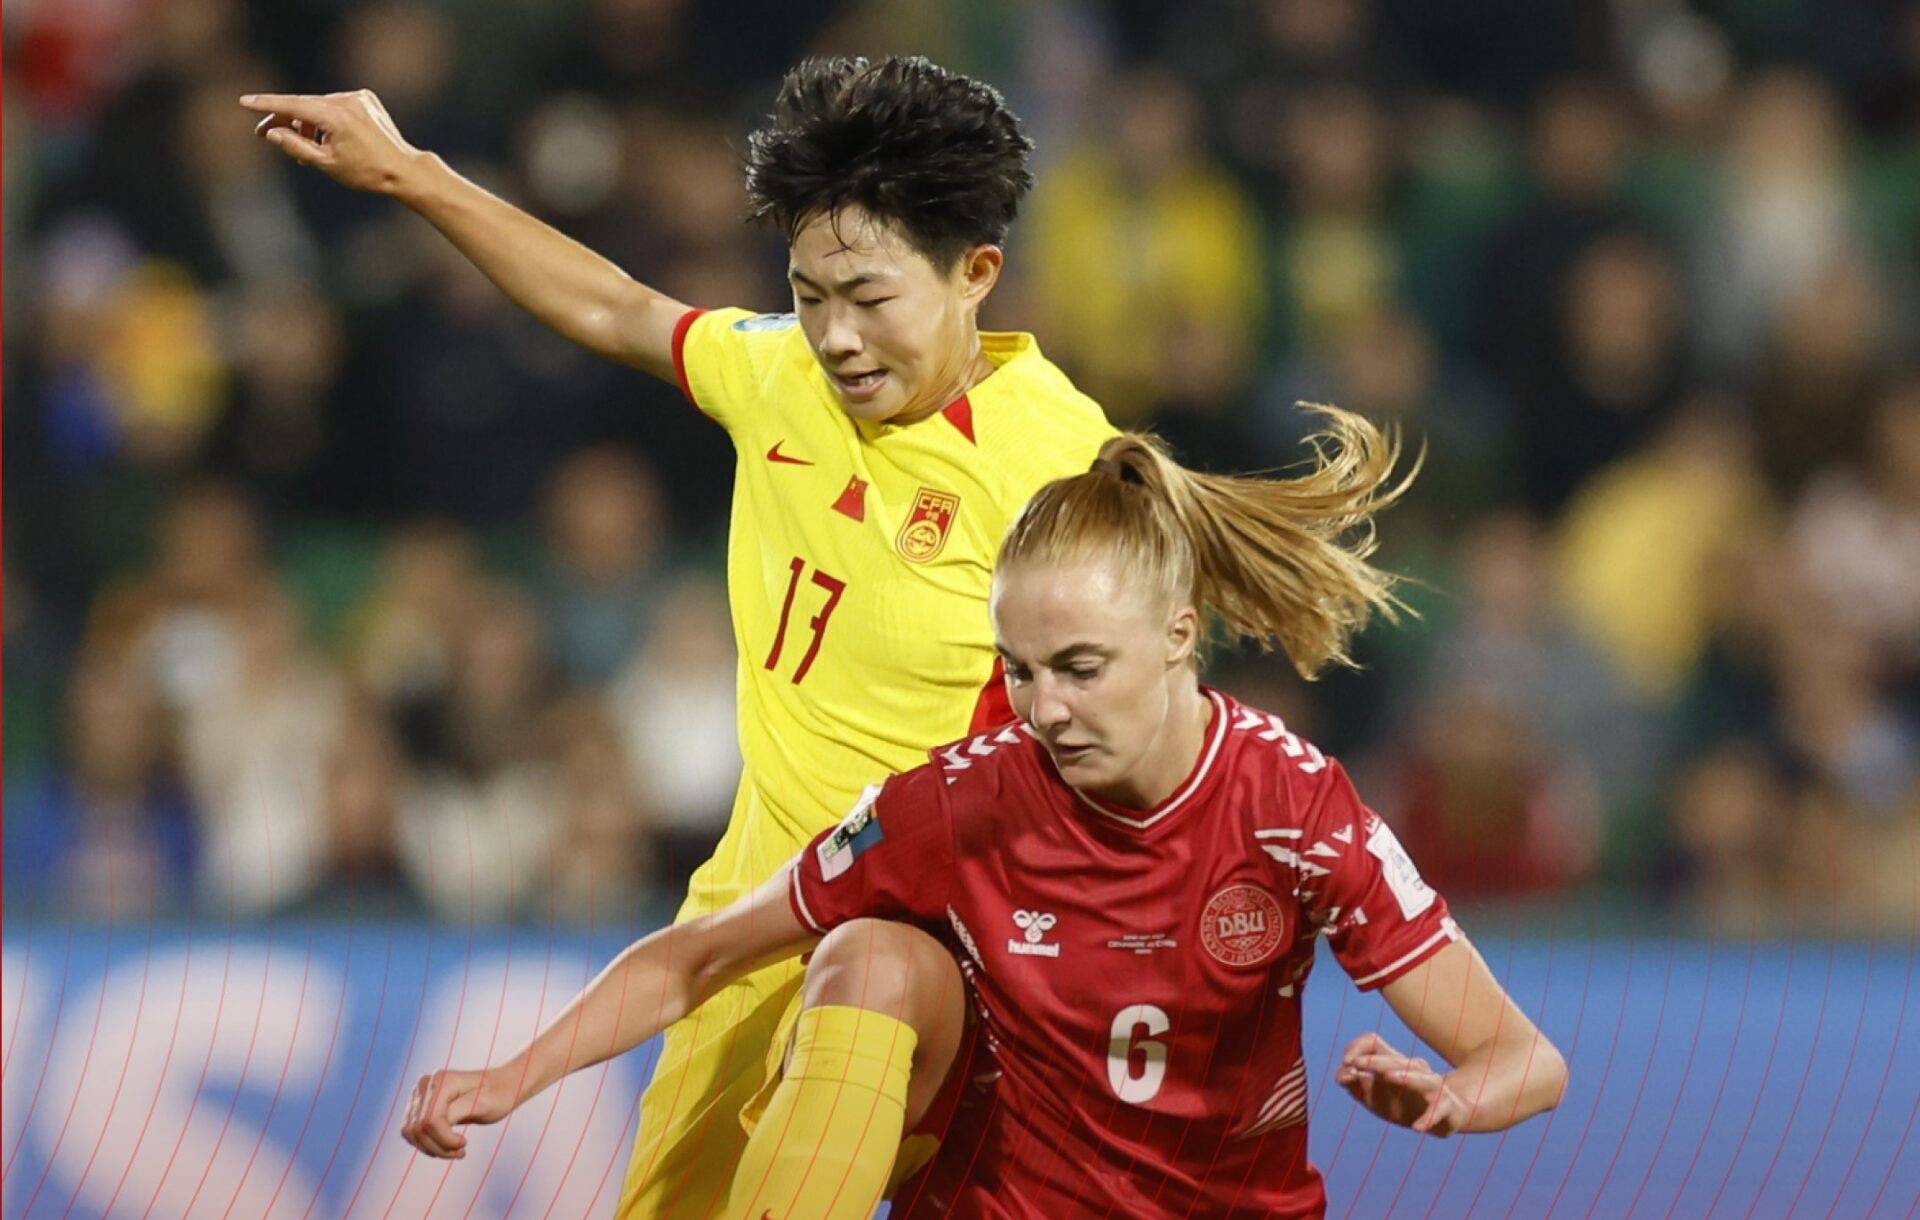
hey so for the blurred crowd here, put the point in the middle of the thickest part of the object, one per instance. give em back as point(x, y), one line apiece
point(336, 586)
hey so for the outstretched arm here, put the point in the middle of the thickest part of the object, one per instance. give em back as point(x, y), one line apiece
point(652, 984)
point(583, 296)
point(1504, 1069)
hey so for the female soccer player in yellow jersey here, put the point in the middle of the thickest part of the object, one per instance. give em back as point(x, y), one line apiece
point(883, 445)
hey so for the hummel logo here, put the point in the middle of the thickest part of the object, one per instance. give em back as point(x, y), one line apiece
point(774, 455)
point(1035, 925)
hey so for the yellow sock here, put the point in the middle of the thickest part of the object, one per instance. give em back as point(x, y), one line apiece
point(826, 1143)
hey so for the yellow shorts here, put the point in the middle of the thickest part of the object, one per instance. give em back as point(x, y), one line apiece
point(712, 1062)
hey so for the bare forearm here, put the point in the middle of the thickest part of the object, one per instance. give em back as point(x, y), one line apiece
point(575, 291)
point(1508, 1081)
point(640, 993)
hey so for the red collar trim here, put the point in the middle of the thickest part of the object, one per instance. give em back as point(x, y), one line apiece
point(959, 413)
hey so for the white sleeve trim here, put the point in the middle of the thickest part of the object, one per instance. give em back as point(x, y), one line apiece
point(1445, 933)
point(800, 903)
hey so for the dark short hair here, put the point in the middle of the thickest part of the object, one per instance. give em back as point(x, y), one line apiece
point(937, 154)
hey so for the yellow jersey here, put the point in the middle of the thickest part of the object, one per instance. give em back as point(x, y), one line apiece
point(859, 558)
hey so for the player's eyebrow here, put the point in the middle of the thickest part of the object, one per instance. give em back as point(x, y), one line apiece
point(1073, 652)
point(1070, 653)
point(847, 285)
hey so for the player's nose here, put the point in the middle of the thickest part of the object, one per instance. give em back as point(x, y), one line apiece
point(1050, 710)
point(841, 339)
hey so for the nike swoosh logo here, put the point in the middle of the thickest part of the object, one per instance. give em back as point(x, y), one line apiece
point(774, 455)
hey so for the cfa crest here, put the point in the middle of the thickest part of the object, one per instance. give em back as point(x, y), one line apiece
point(925, 530)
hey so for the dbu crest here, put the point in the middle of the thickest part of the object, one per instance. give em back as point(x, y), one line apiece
point(924, 533)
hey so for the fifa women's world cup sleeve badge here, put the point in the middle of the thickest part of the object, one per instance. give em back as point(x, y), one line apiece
point(924, 533)
point(858, 831)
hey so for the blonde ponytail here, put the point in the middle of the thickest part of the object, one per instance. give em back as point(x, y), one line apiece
point(1279, 561)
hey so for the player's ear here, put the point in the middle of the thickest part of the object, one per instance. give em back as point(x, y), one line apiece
point(978, 272)
point(1183, 636)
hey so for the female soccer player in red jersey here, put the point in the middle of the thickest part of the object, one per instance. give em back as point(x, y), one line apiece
point(1077, 943)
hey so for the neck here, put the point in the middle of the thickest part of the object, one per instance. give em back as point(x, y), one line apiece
point(976, 370)
point(1172, 756)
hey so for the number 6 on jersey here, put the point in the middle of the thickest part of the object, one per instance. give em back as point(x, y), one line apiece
point(1137, 1089)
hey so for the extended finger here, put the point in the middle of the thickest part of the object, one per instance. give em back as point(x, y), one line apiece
point(321, 110)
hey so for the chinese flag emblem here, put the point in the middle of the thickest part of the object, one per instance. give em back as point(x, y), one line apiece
point(925, 530)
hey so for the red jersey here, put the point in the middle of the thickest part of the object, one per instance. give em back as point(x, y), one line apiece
point(1137, 974)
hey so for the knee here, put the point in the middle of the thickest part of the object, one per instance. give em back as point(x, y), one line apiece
point(881, 966)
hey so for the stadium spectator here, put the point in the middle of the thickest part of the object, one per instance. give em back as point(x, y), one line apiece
point(674, 704)
point(604, 530)
point(1336, 254)
point(182, 617)
point(284, 432)
point(1729, 808)
point(1579, 139)
point(361, 875)
point(1520, 738)
point(1781, 212)
point(1639, 540)
point(1856, 534)
point(111, 836)
point(401, 638)
point(1390, 367)
point(1147, 267)
point(604, 856)
point(255, 736)
point(1249, 60)
point(1613, 370)
point(478, 827)
point(1821, 370)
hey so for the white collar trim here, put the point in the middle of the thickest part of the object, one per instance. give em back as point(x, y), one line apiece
point(1192, 785)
